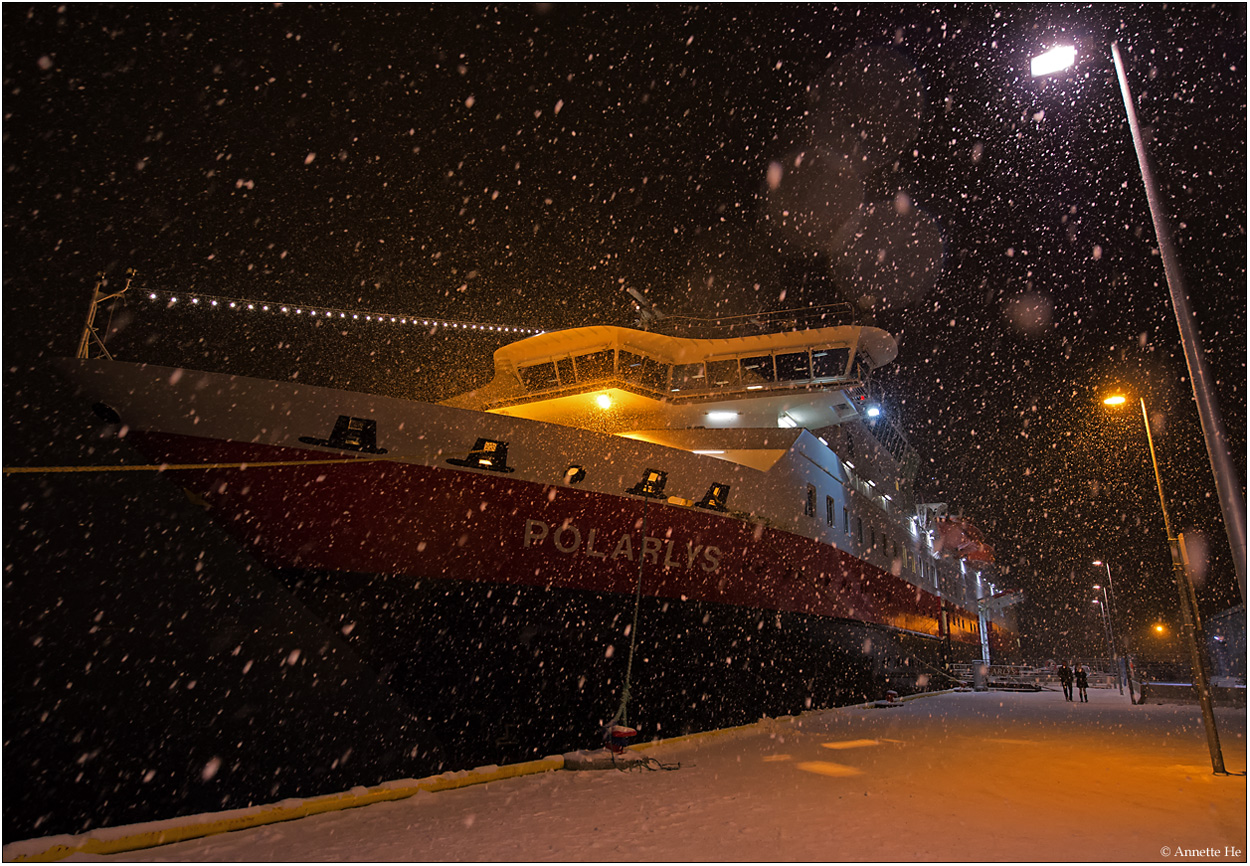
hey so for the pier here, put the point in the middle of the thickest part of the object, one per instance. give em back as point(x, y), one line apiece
point(956, 776)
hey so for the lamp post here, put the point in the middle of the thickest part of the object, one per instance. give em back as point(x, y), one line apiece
point(1189, 607)
point(1227, 484)
point(1115, 655)
point(1122, 644)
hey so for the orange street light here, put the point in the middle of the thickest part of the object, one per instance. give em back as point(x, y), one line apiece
point(1191, 624)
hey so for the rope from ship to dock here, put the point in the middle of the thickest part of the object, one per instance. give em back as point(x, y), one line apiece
point(622, 712)
point(178, 467)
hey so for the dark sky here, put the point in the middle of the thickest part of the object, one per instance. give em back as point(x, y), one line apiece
point(524, 164)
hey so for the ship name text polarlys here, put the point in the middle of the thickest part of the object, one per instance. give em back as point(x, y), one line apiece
point(569, 539)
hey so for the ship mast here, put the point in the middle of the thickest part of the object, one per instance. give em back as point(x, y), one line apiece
point(91, 339)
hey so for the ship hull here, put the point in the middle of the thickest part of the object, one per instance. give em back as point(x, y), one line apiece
point(503, 673)
point(500, 604)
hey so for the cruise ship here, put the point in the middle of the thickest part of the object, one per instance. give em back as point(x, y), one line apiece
point(678, 528)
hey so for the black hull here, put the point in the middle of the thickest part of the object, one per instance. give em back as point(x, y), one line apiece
point(501, 673)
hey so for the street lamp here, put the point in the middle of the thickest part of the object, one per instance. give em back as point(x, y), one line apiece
point(1227, 483)
point(1122, 643)
point(1189, 604)
point(1115, 656)
point(1106, 629)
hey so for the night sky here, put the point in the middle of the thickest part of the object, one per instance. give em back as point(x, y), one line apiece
point(524, 165)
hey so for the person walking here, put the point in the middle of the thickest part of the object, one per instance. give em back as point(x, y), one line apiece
point(1082, 683)
point(1065, 680)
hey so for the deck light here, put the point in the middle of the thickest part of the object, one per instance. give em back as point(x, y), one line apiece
point(604, 401)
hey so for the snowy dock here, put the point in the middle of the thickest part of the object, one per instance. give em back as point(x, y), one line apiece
point(971, 776)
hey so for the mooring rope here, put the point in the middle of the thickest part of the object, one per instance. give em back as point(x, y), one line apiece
point(180, 467)
point(622, 712)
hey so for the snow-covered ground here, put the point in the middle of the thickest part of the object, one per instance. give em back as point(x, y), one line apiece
point(956, 777)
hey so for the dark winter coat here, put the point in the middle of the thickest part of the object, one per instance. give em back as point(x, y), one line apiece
point(1065, 675)
point(1082, 679)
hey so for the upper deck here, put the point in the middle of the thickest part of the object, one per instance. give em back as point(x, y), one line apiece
point(551, 376)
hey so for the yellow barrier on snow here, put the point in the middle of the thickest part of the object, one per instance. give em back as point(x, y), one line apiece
point(134, 837)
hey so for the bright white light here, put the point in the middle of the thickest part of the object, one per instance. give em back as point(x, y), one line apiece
point(708, 452)
point(873, 411)
point(604, 401)
point(722, 416)
point(1055, 60)
point(151, 297)
point(786, 421)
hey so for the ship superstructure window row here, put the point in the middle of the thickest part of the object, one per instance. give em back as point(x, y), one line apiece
point(738, 372)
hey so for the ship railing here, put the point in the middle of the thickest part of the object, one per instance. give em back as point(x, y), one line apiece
point(773, 322)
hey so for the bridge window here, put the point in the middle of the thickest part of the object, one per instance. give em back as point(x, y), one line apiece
point(809, 506)
point(536, 377)
point(829, 363)
point(758, 370)
point(629, 366)
point(793, 367)
point(654, 374)
point(722, 374)
point(596, 365)
point(829, 510)
point(688, 377)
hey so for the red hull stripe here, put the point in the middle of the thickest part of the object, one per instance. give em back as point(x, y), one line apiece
point(409, 519)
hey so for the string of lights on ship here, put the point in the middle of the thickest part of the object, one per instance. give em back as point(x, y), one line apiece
point(339, 315)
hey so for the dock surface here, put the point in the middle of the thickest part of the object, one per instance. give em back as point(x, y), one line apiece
point(963, 776)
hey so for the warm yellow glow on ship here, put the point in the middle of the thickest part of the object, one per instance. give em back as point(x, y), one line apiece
point(1115, 400)
point(604, 401)
point(850, 744)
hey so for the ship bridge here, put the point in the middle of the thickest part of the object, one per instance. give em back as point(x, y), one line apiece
point(621, 380)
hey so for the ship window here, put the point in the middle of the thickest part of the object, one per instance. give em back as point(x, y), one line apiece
point(829, 363)
point(536, 377)
point(722, 374)
point(595, 366)
point(630, 366)
point(809, 507)
point(564, 369)
point(793, 366)
point(829, 510)
point(859, 526)
point(846, 521)
point(688, 377)
point(757, 370)
point(654, 374)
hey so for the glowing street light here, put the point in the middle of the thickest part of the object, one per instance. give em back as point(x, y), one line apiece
point(1189, 603)
point(1227, 482)
point(1055, 60)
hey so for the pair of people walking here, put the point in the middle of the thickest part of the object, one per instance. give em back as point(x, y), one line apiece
point(1080, 676)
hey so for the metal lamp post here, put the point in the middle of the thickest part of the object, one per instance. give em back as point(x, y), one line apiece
point(1121, 645)
point(1227, 483)
point(1189, 606)
point(1115, 655)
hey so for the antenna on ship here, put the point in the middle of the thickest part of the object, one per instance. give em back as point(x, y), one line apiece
point(91, 339)
point(647, 311)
